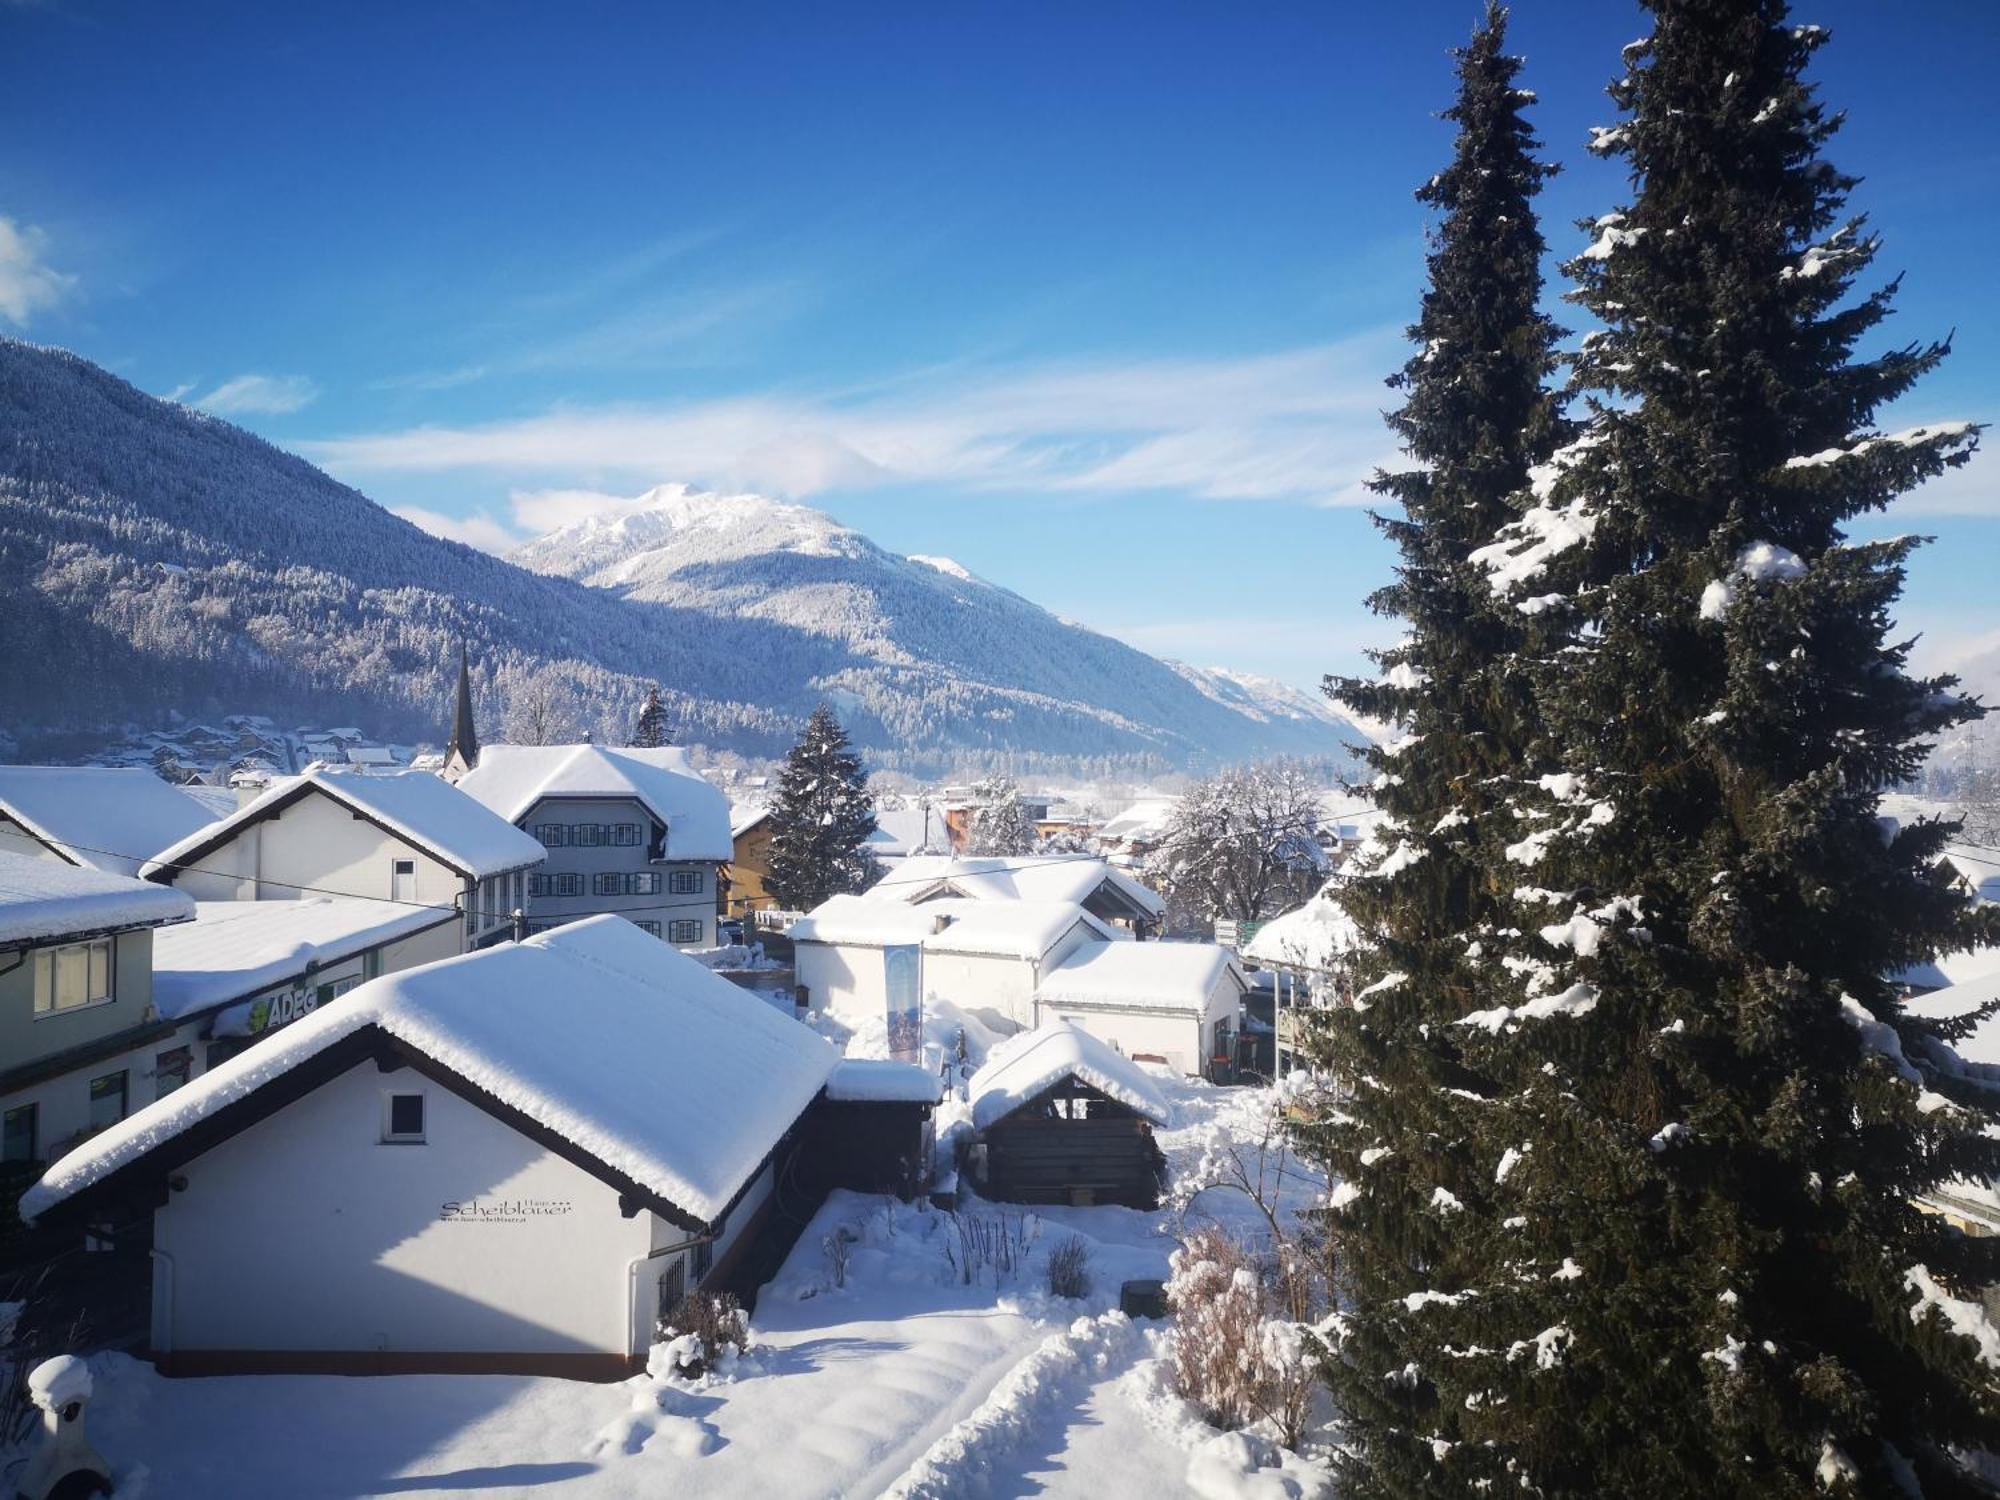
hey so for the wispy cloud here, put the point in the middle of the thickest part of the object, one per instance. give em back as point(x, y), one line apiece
point(28, 283)
point(272, 395)
point(1302, 425)
point(1972, 489)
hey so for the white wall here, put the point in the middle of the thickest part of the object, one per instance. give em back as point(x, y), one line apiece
point(999, 991)
point(14, 839)
point(849, 980)
point(306, 1232)
point(1182, 1038)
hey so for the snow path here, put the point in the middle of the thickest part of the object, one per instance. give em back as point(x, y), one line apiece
point(902, 1381)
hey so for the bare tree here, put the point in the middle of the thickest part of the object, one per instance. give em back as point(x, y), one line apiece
point(1242, 844)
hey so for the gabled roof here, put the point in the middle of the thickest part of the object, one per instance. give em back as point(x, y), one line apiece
point(633, 1058)
point(236, 948)
point(1046, 877)
point(1021, 1067)
point(109, 819)
point(511, 779)
point(43, 899)
point(1312, 936)
point(422, 809)
point(1139, 976)
point(1001, 929)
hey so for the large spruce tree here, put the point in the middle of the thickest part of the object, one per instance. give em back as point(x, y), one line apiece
point(821, 819)
point(1688, 1258)
point(1479, 420)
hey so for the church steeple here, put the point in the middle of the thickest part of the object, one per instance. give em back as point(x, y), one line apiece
point(463, 753)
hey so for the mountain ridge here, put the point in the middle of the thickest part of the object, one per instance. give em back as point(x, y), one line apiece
point(167, 560)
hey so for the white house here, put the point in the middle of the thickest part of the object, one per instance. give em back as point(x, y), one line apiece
point(111, 819)
point(1100, 888)
point(243, 970)
point(635, 832)
point(986, 957)
point(409, 838)
point(78, 1029)
point(1180, 1004)
point(513, 1160)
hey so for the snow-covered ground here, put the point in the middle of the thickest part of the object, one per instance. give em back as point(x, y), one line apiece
point(917, 1377)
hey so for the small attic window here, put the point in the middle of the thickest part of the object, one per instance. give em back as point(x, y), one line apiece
point(404, 1124)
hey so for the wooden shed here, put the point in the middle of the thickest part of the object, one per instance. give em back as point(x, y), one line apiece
point(1060, 1117)
point(871, 1130)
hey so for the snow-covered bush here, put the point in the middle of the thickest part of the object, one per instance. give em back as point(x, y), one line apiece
point(1069, 1268)
point(1241, 1352)
point(839, 1248)
point(707, 1330)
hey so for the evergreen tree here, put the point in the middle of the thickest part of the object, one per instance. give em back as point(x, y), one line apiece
point(1481, 422)
point(650, 733)
point(997, 825)
point(1687, 1257)
point(821, 820)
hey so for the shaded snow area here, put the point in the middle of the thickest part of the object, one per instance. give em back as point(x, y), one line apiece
point(899, 1351)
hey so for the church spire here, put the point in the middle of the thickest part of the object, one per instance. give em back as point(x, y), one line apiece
point(463, 753)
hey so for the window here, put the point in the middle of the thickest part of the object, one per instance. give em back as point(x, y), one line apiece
point(651, 929)
point(684, 932)
point(170, 1070)
point(405, 1119)
point(625, 835)
point(107, 1099)
point(568, 885)
point(515, 904)
point(72, 977)
point(552, 835)
point(220, 1052)
point(609, 885)
point(656, 841)
point(686, 882)
point(589, 835)
point(643, 883)
point(18, 1140)
point(538, 885)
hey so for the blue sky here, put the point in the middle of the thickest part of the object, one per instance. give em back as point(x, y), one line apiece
point(1096, 299)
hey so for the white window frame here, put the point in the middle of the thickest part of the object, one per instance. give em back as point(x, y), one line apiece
point(678, 926)
point(47, 960)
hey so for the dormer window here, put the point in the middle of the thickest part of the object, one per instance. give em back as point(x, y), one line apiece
point(72, 977)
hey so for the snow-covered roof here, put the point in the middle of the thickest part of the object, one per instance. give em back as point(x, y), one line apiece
point(613, 1041)
point(1047, 877)
point(429, 812)
point(42, 899)
point(510, 779)
point(881, 1080)
point(1021, 1067)
point(236, 948)
point(856, 921)
point(1129, 976)
point(1143, 820)
point(1949, 969)
point(902, 831)
point(1978, 868)
point(952, 924)
point(744, 816)
point(1312, 936)
point(1008, 929)
point(111, 819)
point(1982, 1045)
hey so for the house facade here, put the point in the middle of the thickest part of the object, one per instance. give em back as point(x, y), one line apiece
point(488, 1164)
point(410, 838)
point(627, 832)
point(80, 1039)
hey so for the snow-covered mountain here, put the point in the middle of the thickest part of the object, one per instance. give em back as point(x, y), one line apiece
point(923, 635)
point(156, 561)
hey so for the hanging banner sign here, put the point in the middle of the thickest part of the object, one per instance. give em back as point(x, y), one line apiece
point(902, 974)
